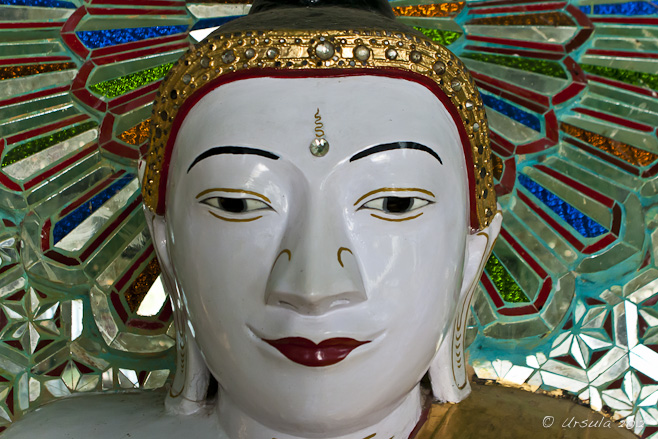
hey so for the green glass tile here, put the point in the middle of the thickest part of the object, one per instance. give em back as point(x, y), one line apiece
point(443, 37)
point(40, 143)
point(628, 76)
point(541, 66)
point(118, 86)
point(505, 284)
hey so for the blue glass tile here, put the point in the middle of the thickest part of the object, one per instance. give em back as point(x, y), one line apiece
point(41, 3)
point(73, 219)
point(575, 218)
point(93, 39)
point(212, 22)
point(628, 8)
point(509, 110)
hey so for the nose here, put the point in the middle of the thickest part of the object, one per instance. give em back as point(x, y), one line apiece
point(315, 274)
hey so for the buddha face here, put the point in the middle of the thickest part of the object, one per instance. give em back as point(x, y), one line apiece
point(318, 287)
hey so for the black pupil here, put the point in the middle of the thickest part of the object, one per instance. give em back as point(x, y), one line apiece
point(235, 205)
point(397, 204)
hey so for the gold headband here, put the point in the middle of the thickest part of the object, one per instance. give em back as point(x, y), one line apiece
point(223, 55)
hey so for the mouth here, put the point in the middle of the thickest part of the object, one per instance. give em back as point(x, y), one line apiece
point(305, 352)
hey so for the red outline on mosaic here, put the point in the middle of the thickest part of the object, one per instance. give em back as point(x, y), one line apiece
point(45, 235)
point(614, 119)
point(521, 8)
point(69, 36)
point(626, 20)
point(33, 60)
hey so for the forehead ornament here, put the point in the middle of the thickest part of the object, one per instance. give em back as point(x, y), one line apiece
point(319, 146)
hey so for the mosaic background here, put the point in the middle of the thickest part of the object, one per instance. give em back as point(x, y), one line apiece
point(568, 300)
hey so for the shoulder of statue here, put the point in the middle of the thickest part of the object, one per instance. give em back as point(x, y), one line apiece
point(493, 411)
point(102, 416)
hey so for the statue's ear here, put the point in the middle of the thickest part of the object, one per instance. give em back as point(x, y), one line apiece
point(448, 369)
point(190, 385)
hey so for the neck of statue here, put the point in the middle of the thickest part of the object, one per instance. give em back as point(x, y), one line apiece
point(397, 423)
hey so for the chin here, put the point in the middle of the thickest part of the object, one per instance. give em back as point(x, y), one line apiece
point(341, 398)
point(316, 420)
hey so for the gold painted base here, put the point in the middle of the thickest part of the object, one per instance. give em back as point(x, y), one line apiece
point(493, 411)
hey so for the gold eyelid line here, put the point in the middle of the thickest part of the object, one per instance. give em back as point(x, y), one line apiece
point(234, 220)
point(393, 189)
point(238, 191)
point(396, 219)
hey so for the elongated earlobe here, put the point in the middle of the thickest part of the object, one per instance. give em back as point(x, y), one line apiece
point(187, 394)
point(448, 369)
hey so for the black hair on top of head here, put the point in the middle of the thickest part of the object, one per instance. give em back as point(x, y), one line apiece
point(318, 15)
point(377, 6)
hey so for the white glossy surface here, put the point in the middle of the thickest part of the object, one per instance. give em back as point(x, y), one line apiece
point(123, 416)
point(397, 287)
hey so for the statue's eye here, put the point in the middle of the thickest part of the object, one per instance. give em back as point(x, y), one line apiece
point(236, 205)
point(396, 205)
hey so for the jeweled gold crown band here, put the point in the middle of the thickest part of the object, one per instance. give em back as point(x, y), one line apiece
point(298, 50)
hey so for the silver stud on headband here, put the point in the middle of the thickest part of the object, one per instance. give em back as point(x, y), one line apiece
point(391, 53)
point(324, 50)
point(362, 53)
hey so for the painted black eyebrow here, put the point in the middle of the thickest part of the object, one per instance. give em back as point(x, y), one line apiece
point(395, 145)
point(232, 150)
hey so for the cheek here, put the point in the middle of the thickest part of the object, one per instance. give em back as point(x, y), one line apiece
point(220, 265)
point(412, 270)
point(412, 256)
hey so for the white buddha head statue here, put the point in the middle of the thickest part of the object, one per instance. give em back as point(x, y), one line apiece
point(319, 191)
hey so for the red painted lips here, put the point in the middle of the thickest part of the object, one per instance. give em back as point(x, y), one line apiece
point(307, 353)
